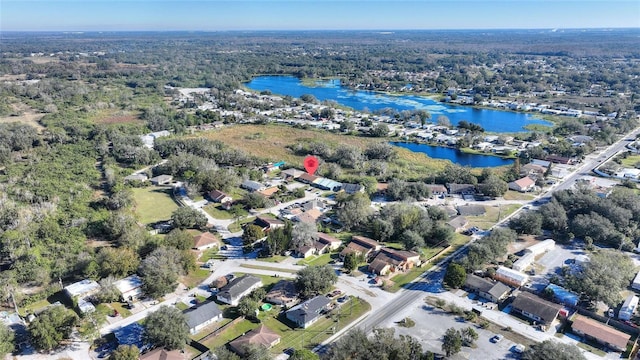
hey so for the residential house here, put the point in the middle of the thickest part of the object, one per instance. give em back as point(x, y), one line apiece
point(533, 307)
point(361, 245)
point(313, 204)
point(163, 354)
point(306, 251)
point(437, 189)
point(310, 216)
point(603, 334)
point(267, 223)
point(82, 291)
point(559, 159)
point(161, 180)
point(284, 293)
point(268, 192)
point(331, 242)
point(544, 163)
point(562, 295)
point(130, 287)
point(458, 223)
point(327, 184)
point(511, 277)
point(524, 184)
point(202, 315)
point(218, 196)
point(260, 336)
point(237, 288)
point(204, 241)
point(524, 262)
point(136, 177)
point(532, 170)
point(252, 186)
point(628, 308)
point(494, 291)
point(291, 173)
point(352, 188)
point(461, 188)
point(306, 313)
point(307, 178)
point(392, 260)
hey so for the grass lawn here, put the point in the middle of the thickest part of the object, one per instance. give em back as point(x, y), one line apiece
point(492, 216)
point(230, 334)
point(320, 330)
point(237, 226)
point(268, 268)
point(631, 161)
point(592, 349)
point(318, 260)
point(217, 213)
point(401, 280)
point(195, 277)
point(153, 204)
point(118, 306)
point(182, 306)
point(267, 280)
point(516, 195)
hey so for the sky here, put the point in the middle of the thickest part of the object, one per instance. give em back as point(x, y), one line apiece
point(222, 15)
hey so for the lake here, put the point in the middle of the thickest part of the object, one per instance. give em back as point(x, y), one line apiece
point(458, 157)
point(490, 120)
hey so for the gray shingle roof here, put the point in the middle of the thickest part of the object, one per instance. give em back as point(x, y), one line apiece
point(308, 310)
point(238, 286)
point(202, 313)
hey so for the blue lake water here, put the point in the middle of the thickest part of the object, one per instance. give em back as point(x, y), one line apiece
point(458, 157)
point(490, 120)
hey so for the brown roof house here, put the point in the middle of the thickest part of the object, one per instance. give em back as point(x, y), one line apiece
point(522, 185)
point(261, 336)
point(283, 293)
point(204, 241)
point(494, 291)
point(458, 223)
point(331, 242)
point(603, 334)
point(163, 354)
point(219, 197)
point(536, 308)
point(361, 245)
point(238, 288)
point(391, 260)
point(267, 223)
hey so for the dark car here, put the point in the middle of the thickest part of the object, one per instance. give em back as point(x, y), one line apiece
point(289, 351)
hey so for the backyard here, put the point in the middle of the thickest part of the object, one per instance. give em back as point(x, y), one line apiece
point(153, 203)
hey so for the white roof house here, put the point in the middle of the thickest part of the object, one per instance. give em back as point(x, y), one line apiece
point(524, 262)
point(628, 308)
point(636, 282)
point(82, 288)
point(542, 247)
point(129, 287)
point(511, 277)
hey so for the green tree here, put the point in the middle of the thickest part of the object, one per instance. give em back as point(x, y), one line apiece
point(118, 262)
point(51, 327)
point(167, 327)
point(161, 269)
point(451, 342)
point(455, 276)
point(6, 340)
point(125, 352)
point(222, 353)
point(314, 280)
point(303, 234)
point(351, 261)
point(550, 349)
point(254, 201)
point(493, 186)
point(529, 222)
point(179, 239)
point(186, 217)
point(379, 130)
point(251, 234)
point(469, 336)
point(354, 211)
point(108, 291)
point(247, 307)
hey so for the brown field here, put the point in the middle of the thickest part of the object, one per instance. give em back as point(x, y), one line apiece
point(27, 116)
point(270, 143)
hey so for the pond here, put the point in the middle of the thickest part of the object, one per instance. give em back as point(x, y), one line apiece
point(458, 157)
point(490, 120)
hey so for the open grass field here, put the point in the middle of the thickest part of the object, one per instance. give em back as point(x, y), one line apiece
point(631, 161)
point(270, 142)
point(195, 277)
point(153, 204)
point(268, 268)
point(218, 213)
point(318, 260)
point(237, 225)
point(492, 216)
point(515, 195)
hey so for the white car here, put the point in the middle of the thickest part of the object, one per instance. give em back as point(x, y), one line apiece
point(518, 348)
point(497, 338)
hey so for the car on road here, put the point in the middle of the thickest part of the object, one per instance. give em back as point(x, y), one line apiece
point(496, 339)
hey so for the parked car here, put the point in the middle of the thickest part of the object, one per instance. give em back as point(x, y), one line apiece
point(343, 299)
point(518, 348)
point(497, 338)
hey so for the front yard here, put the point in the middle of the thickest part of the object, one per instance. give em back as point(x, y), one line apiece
point(153, 203)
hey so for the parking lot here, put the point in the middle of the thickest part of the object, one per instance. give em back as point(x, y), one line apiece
point(431, 324)
point(555, 259)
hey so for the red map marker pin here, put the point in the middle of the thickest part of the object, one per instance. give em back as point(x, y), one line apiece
point(311, 164)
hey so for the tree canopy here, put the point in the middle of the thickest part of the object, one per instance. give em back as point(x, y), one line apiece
point(51, 327)
point(167, 327)
point(550, 349)
point(314, 280)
